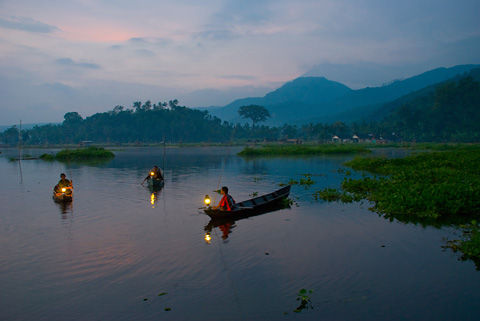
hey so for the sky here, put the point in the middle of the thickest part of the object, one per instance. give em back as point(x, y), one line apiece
point(88, 56)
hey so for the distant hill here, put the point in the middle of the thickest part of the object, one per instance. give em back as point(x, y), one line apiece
point(450, 111)
point(301, 93)
point(385, 110)
point(317, 99)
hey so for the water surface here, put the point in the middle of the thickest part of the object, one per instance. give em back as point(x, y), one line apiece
point(109, 254)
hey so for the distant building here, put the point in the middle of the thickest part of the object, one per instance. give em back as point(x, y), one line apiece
point(290, 141)
point(340, 139)
point(363, 138)
point(85, 143)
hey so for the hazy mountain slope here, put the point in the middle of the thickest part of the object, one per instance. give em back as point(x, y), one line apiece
point(308, 99)
point(376, 112)
point(375, 95)
point(302, 94)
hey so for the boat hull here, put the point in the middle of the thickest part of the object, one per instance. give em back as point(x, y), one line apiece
point(254, 206)
point(155, 183)
point(62, 198)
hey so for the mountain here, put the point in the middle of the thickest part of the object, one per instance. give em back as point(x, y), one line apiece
point(303, 93)
point(317, 99)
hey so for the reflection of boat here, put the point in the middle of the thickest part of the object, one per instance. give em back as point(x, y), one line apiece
point(65, 194)
point(155, 182)
point(251, 207)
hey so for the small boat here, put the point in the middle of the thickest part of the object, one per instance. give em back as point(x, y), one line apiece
point(64, 195)
point(251, 207)
point(155, 182)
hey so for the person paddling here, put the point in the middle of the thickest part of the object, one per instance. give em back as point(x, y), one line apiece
point(156, 173)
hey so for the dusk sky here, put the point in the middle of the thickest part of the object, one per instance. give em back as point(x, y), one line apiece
point(90, 55)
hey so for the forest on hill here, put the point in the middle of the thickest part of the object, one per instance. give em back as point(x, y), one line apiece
point(449, 113)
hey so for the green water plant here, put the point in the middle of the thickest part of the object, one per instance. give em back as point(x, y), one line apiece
point(468, 246)
point(305, 301)
point(430, 187)
point(306, 181)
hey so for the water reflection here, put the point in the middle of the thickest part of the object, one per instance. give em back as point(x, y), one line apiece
point(154, 194)
point(65, 208)
point(224, 226)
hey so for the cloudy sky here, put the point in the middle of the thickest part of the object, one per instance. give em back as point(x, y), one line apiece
point(88, 56)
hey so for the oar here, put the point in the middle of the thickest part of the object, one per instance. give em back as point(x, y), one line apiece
point(145, 180)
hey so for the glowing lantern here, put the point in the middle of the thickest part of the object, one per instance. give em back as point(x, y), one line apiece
point(207, 200)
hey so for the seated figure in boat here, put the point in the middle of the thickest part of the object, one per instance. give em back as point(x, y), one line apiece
point(64, 183)
point(157, 173)
point(227, 202)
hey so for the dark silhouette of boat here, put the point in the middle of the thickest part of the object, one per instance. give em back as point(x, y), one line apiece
point(251, 207)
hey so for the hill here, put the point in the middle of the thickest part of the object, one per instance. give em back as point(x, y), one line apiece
point(448, 112)
point(317, 99)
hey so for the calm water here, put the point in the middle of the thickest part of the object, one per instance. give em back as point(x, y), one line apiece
point(109, 254)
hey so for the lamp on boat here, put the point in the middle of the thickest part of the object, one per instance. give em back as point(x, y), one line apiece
point(152, 173)
point(207, 200)
point(64, 189)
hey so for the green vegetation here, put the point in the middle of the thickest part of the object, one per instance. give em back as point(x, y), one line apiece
point(286, 150)
point(305, 301)
point(255, 112)
point(449, 114)
point(306, 181)
point(430, 187)
point(437, 184)
point(469, 244)
point(80, 154)
point(446, 113)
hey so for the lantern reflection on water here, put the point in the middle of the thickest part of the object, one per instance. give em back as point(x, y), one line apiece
point(152, 199)
point(207, 237)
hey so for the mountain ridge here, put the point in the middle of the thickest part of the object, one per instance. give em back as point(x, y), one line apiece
point(317, 97)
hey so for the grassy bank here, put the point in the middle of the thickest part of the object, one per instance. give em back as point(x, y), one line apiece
point(295, 150)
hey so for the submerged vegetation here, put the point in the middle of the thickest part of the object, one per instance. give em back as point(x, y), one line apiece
point(285, 150)
point(80, 154)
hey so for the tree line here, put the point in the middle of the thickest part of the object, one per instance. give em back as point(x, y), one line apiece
point(450, 114)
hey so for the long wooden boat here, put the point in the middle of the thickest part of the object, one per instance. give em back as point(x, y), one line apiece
point(63, 196)
point(252, 206)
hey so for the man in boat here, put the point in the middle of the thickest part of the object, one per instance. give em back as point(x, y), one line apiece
point(157, 173)
point(227, 202)
point(64, 183)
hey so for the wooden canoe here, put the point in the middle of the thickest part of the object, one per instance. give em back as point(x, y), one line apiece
point(252, 206)
point(155, 182)
point(62, 197)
